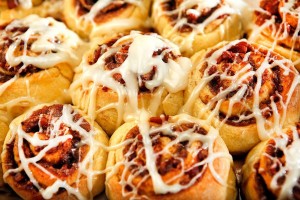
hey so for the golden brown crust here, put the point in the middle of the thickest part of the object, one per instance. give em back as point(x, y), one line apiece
point(61, 161)
point(262, 165)
point(43, 8)
point(26, 78)
point(116, 17)
point(240, 134)
point(35, 88)
point(82, 90)
point(206, 187)
point(281, 34)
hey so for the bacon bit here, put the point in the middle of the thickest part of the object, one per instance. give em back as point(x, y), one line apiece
point(241, 47)
point(97, 54)
point(270, 6)
point(128, 188)
point(203, 153)
point(149, 75)
point(104, 89)
point(156, 120)
point(118, 77)
point(21, 29)
point(18, 177)
point(192, 18)
point(227, 57)
point(12, 4)
point(140, 137)
point(120, 57)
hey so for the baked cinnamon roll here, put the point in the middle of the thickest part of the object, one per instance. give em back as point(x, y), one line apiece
point(277, 26)
point(119, 77)
point(104, 18)
point(18, 9)
point(244, 90)
point(55, 152)
point(271, 170)
point(37, 56)
point(196, 25)
point(163, 157)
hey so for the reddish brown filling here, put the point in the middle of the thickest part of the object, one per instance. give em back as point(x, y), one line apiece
point(172, 5)
point(167, 165)
point(116, 59)
point(231, 61)
point(273, 9)
point(61, 161)
point(260, 186)
point(12, 4)
point(271, 164)
point(84, 7)
point(7, 71)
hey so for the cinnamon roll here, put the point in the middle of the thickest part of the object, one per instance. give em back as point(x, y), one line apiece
point(5, 119)
point(18, 9)
point(164, 157)
point(55, 152)
point(196, 25)
point(271, 170)
point(244, 90)
point(128, 73)
point(37, 56)
point(276, 25)
point(103, 18)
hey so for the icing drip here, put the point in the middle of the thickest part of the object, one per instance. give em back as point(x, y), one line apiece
point(280, 21)
point(151, 154)
point(193, 17)
point(96, 14)
point(146, 62)
point(281, 162)
point(243, 81)
point(32, 44)
point(65, 127)
point(100, 5)
point(45, 43)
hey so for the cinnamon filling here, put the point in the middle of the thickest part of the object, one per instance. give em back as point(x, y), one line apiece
point(260, 186)
point(285, 23)
point(6, 71)
point(116, 59)
point(232, 61)
point(12, 3)
point(271, 163)
point(168, 164)
point(61, 161)
point(191, 17)
point(84, 7)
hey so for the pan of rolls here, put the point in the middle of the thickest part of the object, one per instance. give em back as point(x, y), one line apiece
point(150, 99)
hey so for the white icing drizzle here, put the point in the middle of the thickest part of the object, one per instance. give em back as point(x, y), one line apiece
point(280, 32)
point(171, 76)
point(53, 43)
point(195, 8)
point(56, 137)
point(190, 136)
point(116, 23)
point(239, 85)
point(99, 5)
point(291, 168)
point(46, 43)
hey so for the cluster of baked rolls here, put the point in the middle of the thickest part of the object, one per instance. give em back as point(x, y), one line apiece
point(142, 99)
